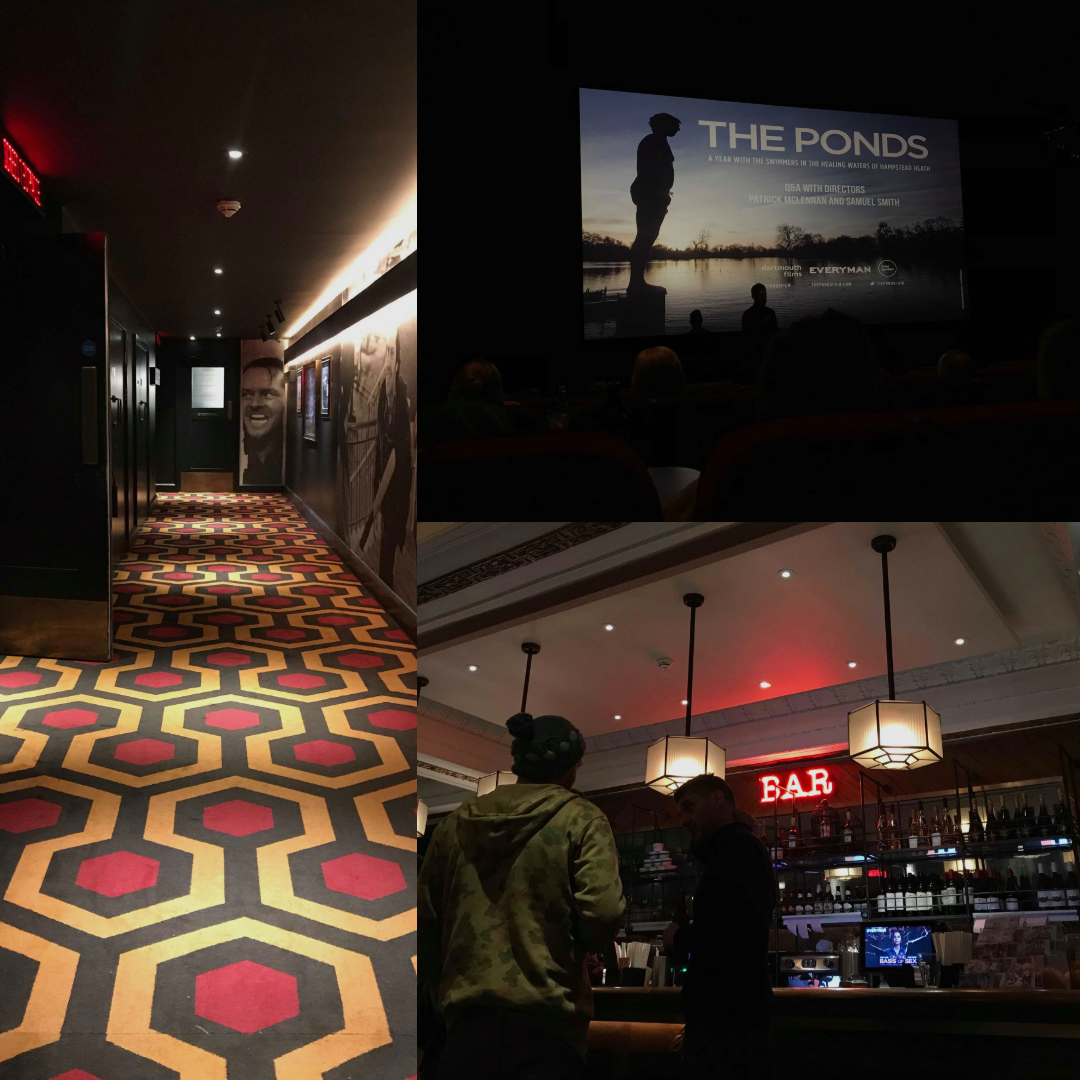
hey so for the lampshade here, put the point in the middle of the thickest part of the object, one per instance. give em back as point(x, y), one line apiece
point(421, 818)
point(493, 780)
point(894, 735)
point(677, 758)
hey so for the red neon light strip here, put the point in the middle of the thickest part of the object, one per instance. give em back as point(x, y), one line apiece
point(21, 173)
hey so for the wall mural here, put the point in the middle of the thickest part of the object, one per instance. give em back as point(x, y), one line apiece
point(263, 395)
point(377, 444)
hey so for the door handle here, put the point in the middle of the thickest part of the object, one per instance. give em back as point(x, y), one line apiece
point(117, 410)
point(143, 410)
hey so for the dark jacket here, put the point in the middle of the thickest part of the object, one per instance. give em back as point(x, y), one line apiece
point(727, 980)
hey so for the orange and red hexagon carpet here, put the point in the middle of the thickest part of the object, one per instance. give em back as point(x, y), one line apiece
point(207, 845)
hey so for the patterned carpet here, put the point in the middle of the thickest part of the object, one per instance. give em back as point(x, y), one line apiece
point(207, 845)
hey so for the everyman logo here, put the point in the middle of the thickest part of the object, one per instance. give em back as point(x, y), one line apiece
point(839, 269)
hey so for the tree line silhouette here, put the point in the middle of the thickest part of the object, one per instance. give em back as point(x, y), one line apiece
point(937, 239)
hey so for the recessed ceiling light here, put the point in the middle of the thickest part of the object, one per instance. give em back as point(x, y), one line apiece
point(472, 667)
point(217, 269)
point(236, 154)
point(851, 663)
point(959, 641)
point(617, 716)
point(217, 335)
point(785, 573)
point(683, 702)
point(765, 685)
point(216, 312)
point(608, 626)
point(192, 337)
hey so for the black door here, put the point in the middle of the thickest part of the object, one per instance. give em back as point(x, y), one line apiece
point(118, 437)
point(207, 421)
point(55, 586)
point(142, 433)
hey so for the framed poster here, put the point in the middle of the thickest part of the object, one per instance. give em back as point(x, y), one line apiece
point(310, 401)
point(324, 386)
point(264, 397)
point(299, 389)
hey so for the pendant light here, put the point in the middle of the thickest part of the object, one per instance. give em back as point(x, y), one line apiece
point(673, 760)
point(893, 734)
point(497, 779)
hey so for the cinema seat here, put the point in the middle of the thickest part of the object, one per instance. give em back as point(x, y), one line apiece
point(988, 459)
point(578, 475)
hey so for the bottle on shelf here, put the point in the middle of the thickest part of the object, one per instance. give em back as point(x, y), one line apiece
point(913, 830)
point(1030, 830)
point(1016, 830)
point(923, 832)
point(827, 901)
point(911, 893)
point(849, 827)
point(793, 834)
point(948, 834)
point(1012, 896)
point(1043, 888)
point(926, 897)
point(849, 906)
point(975, 825)
point(991, 830)
point(1057, 888)
point(1043, 824)
point(819, 903)
point(1005, 825)
point(825, 824)
point(969, 889)
point(882, 826)
point(894, 829)
point(1062, 817)
point(799, 903)
point(1072, 888)
point(935, 831)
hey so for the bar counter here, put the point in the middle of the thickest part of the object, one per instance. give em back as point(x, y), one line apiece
point(946, 1033)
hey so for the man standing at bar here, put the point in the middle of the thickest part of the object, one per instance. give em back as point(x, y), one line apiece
point(651, 192)
point(726, 996)
point(517, 887)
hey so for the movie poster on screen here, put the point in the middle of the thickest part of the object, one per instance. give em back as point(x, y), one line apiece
point(377, 444)
point(687, 204)
point(263, 397)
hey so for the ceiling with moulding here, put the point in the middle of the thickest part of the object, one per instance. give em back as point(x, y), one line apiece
point(997, 585)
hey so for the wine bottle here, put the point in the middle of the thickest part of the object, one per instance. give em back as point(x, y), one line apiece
point(991, 830)
point(913, 830)
point(889, 886)
point(1057, 888)
point(827, 901)
point(1043, 887)
point(975, 826)
point(1030, 830)
point(825, 824)
point(848, 905)
point(948, 833)
point(1062, 822)
point(1072, 888)
point(793, 834)
point(911, 895)
point(1012, 899)
point(1016, 831)
point(925, 896)
point(1043, 824)
point(924, 836)
point(969, 889)
point(935, 831)
point(894, 829)
point(1005, 825)
point(882, 827)
point(849, 828)
point(799, 904)
point(819, 908)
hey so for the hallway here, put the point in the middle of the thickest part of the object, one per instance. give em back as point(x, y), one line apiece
point(207, 844)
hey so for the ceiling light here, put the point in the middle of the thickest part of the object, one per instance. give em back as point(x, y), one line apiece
point(785, 573)
point(217, 335)
point(192, 338)
point(608, 626)
point(764, 685)
point(262, 334)
point(217, 269)
point(851, 663)
point(234, 154)
point(891, 734)
point(617, 716)
point(673, 760)
point(959, 641)
point(683, 702)
point(216, 312)
point(270, 326)
point(278, 311)
point(472, 667)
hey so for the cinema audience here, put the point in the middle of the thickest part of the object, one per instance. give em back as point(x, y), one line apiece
point(658, 373)
point(1059, 360)
point(958, 381)
point(476, 408)
point(821, 364)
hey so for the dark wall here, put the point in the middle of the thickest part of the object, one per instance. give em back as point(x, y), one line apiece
point(310, 467)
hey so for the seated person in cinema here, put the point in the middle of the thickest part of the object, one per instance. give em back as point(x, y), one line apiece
point(820, 365)
point(658, 373)
point(1059, 368)
point(958, 380)
point(475, 408)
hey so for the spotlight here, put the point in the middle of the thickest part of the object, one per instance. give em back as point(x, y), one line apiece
point(192, 337)
point(765, 685)
point(216, 312)
point(262, 334)
point(217, 335)
point(234, 154)
point(959, 641)
point(608, 626)
point(851, 663)
point(270, 326)
point(217, 269)
point(472, 667)
point(683, 702)
point(785, 573)
point(278, 312)
point(617, 716)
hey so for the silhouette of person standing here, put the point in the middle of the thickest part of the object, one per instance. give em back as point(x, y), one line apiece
point(651, 192)
point(758, 324)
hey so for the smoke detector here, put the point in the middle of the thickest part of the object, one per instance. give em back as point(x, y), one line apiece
point(665, 662)
point(228, 206)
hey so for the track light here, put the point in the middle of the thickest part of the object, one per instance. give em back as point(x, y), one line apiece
point(270, 326)
point(262, 334)
point(277, 311)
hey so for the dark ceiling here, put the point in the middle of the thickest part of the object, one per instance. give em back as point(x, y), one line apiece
point(128, 109)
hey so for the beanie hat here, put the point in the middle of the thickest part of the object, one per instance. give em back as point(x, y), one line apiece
point(544, 746)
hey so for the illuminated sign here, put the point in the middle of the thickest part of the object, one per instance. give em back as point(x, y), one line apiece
point(21, 173)
point(817, 783)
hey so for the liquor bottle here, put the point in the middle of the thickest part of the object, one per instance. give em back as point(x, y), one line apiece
point(935, 831)
point(881, 900)
point(827, 901)
point(1062, 817)
point(1043, 887)
point(997, 899)
point(849, 828)
point(1012, 898)
point(935, 893)
point(980, 900)
point(887, 902)
point(925, 896)
point(969, 889)
point(1029, 818)
point(1016, 830)
point(948, 832)
point(1043, 824)
point(911, 894)
point(894, 829)
point(882, 827)
point(1005, 825)
point(913, 830)
point(825, 825)
point(1072, 888)
point(924, 835)
point(819, 908)
point(975, 826)
point(1057, 888)
point(799, 904)
point(849, 905)
point(793, 834)
point(991, 820)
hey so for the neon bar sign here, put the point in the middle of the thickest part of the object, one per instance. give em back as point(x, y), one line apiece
point(817, 780)
point(21, 173)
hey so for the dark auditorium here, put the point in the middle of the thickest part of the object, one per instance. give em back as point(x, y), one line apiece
point(783, 286)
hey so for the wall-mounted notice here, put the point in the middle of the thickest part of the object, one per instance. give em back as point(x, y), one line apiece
point(208, 388)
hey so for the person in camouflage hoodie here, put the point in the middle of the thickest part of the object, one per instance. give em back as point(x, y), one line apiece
point(516, 888)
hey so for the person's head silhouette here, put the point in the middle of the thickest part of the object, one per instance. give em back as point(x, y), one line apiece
point(664, 124)
point(695, 319)
point(758, 293)
point(478, 380)
point(657, 373)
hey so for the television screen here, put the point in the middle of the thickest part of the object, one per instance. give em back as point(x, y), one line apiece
point(686, 204)
point(814, 979)
point(894, 946)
